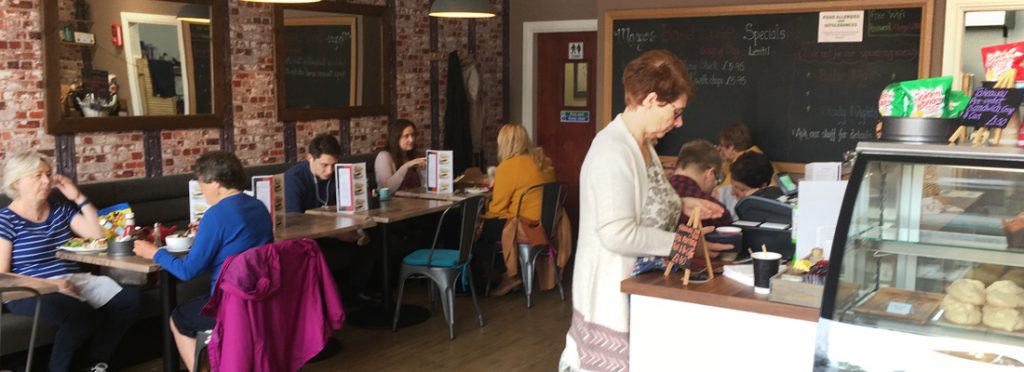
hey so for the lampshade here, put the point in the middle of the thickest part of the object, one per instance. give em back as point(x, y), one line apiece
point(462, 9)
point(194, 13)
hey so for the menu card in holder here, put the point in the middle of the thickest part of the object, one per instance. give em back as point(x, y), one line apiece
point(352, 187)
point(440, 171)
point(197, 205)
point(270, 191)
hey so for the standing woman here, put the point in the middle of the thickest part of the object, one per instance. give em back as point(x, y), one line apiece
point(396, 165)
point(522, 166)
point(92, 313)
point(627, 210)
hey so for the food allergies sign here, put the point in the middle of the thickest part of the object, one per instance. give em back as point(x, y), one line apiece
point(992, 108)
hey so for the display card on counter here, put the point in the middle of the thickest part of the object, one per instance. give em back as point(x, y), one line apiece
point(440, 171)
point(197, 205)
point(269, 190)
point(352, 187)
point(991, 107)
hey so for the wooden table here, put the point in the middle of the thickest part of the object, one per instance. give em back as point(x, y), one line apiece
point(168, 291)
point(301, 225)
point(394, 210)
point(11, 280)
point(422, 193)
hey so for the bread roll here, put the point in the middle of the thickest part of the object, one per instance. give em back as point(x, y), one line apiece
point(1015, 275)
point(960, 312)
point(986, 273)
point(1003, 318)
point(1004, 293)
point(968, 290)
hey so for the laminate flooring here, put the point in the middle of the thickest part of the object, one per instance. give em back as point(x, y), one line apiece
point(514, 339)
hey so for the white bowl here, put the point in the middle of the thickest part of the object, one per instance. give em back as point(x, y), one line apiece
point(178, 243)
point(728, 230)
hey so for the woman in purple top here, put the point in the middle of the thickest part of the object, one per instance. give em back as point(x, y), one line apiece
point(92, 313)
point(234, 223)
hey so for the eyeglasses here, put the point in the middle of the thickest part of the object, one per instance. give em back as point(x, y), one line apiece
point(719, 177)
point(678, 112)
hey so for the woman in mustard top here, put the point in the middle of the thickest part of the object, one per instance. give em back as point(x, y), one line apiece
point(521, 167)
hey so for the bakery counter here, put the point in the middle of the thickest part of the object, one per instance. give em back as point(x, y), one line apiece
point(709, 325)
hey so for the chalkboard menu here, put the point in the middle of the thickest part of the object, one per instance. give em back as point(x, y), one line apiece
point(318, 65)
point(803, 100)
point(202, 70)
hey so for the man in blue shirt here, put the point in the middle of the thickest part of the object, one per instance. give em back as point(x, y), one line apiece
point(310, 185)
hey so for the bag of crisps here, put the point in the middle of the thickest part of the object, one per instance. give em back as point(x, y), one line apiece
point(956, 102)
point(892, 101)
point(927, 96)
point(998, 59)
point(112, 219)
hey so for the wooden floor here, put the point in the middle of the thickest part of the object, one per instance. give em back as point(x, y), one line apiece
point(514, 339)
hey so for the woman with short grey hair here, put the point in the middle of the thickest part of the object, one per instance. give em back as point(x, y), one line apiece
point(92, 313)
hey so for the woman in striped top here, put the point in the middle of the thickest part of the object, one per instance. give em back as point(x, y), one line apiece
point(92, 312)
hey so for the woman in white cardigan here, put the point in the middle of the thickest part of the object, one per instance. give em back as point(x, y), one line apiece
point(627, 210)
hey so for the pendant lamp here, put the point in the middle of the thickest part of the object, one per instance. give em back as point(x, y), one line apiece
point(195, 13)
point(462, 9)
point(283, 1)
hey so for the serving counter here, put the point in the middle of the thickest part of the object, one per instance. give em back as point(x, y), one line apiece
point(713, 326)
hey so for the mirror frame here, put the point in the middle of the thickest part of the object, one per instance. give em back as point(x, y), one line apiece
point(56, 123)
point(953, 37)
point(301, 114)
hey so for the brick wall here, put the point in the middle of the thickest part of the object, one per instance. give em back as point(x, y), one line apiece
point(258, 137)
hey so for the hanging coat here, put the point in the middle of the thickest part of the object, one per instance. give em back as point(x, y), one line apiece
point(456, 117)
point(475, 94)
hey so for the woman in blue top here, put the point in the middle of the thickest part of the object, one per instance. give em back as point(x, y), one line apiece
point(234, 223)
point(92, 312)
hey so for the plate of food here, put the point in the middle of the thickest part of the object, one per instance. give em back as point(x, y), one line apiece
point(82, 245)
point(477, 190)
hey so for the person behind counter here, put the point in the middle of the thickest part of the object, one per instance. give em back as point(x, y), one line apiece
point(521, 167)
point(697, 173)
point(627, 210)
point(733, 140)
point(752, 175)
point(396, 166)
point(92, 313)
point(234, 223)
point(311, 185)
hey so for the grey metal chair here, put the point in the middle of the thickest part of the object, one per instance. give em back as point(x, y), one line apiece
point(35, 320)
point(444, 266)
point(202, 342)
point(552, 199)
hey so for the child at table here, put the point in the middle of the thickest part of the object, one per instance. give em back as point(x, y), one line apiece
point(234, 223)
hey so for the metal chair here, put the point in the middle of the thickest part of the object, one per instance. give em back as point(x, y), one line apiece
point(444, 266)
point(35, 320)
point(552, 200)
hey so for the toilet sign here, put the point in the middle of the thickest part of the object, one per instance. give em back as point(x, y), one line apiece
point(575, 51)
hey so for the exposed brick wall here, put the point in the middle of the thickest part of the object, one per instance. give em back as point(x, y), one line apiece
point(257, 132)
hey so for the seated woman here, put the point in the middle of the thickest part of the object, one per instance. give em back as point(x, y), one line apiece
point(92, 313)
point(696, 175)
point(734, 140)
point(521, 167)
point(234, 223)
point(396, 165)
point(751, 175)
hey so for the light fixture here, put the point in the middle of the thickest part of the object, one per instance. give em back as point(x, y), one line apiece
point(195, 13)
point(462, 9)
point(283, 1)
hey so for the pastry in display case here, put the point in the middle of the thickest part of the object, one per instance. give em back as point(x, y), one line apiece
point(927, 262)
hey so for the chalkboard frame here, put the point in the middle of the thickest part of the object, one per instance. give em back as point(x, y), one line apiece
point(338, 20)
point(295, 114)
point(924, 58)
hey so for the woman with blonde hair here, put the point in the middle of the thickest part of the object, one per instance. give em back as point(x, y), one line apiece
point(522, 166)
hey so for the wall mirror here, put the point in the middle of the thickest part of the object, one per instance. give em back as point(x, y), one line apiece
point(115, 65)
point(331, 60)
point(973, 24)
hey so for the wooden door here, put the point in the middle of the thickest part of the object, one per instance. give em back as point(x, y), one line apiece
point(566, 142)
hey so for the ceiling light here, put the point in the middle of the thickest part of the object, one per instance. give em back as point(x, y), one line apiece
point(462, 9)
point(195, 13)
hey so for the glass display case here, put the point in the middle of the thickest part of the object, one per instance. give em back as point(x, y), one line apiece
point(927, 268)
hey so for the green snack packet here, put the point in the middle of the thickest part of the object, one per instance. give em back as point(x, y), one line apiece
point(892, 101)
point(956, 103)
point(927, 96)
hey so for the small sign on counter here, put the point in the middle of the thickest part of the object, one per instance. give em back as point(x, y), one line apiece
point(991, 107)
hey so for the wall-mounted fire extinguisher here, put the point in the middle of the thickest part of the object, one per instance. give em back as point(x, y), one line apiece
point(116, 35)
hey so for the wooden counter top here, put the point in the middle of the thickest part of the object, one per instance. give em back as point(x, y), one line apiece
point(719, 292)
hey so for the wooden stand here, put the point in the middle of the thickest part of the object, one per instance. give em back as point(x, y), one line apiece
point(695, 223)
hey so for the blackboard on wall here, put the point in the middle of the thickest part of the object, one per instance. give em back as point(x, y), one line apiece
point(803, 100)
point(319, 65)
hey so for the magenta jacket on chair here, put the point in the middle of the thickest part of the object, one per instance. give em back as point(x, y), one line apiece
point(275, 306)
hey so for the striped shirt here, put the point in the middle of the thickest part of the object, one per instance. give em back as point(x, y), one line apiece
point(35, 243)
